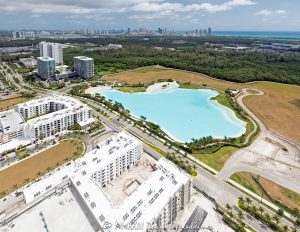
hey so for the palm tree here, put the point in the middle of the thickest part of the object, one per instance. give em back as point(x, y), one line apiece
point(285, 228)
point(268, 217)
point(254, 209)
point(39, 173)
point(261, 210)
point(249, 201)
point(241, 199)
point(293, 229)
point(276, 219)
point(240, 215)
point(228, 207)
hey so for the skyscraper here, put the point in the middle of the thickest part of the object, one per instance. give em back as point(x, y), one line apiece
point(209, 31)
point(84, 66)
point(53, 50)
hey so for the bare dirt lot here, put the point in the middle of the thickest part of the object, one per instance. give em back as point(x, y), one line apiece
point(277, 108)
point(15, 176)
point(10, 102)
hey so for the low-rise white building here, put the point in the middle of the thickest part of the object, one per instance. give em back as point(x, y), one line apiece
point(51, 115)
point(45, 117)
point(28, 62)
point(114, 46)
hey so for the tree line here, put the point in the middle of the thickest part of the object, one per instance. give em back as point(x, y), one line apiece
point(237, 66)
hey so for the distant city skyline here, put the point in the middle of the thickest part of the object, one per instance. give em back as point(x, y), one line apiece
point(221, 15)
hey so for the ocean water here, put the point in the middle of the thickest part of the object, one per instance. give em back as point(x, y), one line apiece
point(260, 34)
point(183, 114)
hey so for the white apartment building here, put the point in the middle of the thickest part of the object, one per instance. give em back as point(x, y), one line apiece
point(45, 117)
point(53, 50)
point(17, 35)
point(11, 126)
point(84, 66)
point(155, 202)
point(46, 67)
point(52, 115)
point(117, 154)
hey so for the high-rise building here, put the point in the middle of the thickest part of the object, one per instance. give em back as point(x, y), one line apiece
point(209, 31)
point(84, 66)
point(53, 50)
point(159, 30)
point(46, 67)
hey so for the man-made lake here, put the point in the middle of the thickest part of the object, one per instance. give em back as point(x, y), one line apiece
point(182, 113)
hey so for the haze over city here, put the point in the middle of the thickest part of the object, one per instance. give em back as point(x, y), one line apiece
point(250, 15)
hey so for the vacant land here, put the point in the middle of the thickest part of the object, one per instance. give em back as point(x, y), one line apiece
point(277, 108)
point(4, 104)
point(31, 168)
point(218, 159)
point(276, 192)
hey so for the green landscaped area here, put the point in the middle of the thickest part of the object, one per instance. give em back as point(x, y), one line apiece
point(272, 191)
point(218, 159)
point(192, 86)
point(149, 69)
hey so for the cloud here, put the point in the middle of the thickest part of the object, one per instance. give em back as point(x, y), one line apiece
point(266, 13)
point(114, 6)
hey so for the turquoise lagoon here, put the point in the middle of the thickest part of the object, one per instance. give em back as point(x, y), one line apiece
point(182, 113)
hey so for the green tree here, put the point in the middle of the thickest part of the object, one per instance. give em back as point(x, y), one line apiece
point(240, 215)
point(248, 201)
point(276, 219)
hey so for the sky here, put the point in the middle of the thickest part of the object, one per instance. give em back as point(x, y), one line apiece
point(228, 15)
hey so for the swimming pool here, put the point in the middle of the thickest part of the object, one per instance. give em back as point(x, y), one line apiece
point(182, 113)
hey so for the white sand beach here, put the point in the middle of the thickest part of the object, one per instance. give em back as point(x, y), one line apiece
point(162, 86)
point(94, 90)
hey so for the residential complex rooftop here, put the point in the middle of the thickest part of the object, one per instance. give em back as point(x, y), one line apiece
point(45, 58)
point(10, 121)
point(144, 195)
point(83, 58)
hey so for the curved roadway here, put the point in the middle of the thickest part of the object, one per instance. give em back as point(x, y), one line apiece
point(266, 156)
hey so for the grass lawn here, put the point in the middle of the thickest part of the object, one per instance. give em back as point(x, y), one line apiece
point(190, 86)
point(14, 177)
point(276, 108)
point(217, 159)
point(252, 91)
point(4, 104)
point(277, 192)
point(132, 89)
point(149, 69)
